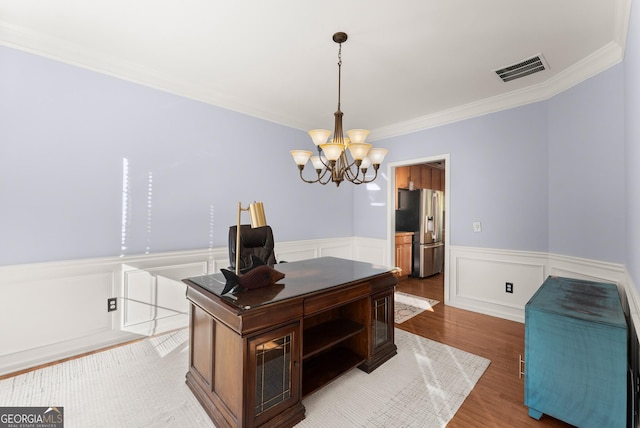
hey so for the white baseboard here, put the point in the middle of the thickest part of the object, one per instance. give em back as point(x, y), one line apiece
point(34, 357)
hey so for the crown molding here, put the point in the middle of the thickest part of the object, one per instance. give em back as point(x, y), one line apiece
point(77, 55)
point(604, 58)
point(81, 56)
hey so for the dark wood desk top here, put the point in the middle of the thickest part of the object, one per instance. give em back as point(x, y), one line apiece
point(301, 278)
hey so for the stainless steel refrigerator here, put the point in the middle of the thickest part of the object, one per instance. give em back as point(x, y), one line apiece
point(422, 212)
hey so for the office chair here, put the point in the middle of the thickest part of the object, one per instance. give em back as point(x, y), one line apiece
point(253, 241)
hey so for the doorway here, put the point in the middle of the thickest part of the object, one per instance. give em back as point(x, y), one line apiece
point(413, 175)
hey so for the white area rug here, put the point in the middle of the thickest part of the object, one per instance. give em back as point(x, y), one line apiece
point(408, 306)
point(143, 385)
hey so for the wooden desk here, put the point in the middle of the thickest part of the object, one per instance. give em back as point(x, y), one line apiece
point(255, 356)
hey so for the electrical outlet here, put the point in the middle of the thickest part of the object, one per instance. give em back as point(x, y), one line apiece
point(112, 304)
point(508, 287)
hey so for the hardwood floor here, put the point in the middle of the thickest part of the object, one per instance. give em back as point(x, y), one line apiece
point(498, 398)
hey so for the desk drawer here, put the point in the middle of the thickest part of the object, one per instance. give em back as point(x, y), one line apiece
point(336, 298)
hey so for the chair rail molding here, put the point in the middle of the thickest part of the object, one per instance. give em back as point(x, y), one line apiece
point(58, 309)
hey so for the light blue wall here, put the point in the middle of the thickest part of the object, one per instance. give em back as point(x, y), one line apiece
point(498, 168)
point(539, 177)
point(586, 169)
point(632, 144)
point(544, 177)
point(64, 132)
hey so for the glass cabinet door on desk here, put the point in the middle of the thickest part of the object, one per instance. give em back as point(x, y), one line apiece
point(382, 318)
point(274, 372)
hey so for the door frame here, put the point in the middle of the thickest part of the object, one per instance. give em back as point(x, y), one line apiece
point(391, 217)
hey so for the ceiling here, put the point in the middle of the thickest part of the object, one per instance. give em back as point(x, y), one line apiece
point(407, 65)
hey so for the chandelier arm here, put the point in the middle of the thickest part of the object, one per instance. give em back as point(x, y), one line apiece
point(321, 175)
point(375, 175)
point(308, 181)
point(364, 180)
point(324, 173)
point(354, 163)
point(327, 166)
point(327, 180)
point(357, 180)
point(349, 171)
point(350, 175)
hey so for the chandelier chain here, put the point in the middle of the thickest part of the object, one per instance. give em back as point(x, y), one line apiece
point(339, 72)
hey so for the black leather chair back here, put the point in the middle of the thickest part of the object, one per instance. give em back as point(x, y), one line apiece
point(253, 241)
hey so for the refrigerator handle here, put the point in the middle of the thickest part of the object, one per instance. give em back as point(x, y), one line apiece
point(436, 220)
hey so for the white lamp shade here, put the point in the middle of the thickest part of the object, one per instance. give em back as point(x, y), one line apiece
point(366, 163)
point(377, 155)
point(359, 150)
point(300, 157)
point(317, 162)
point(358, 135)
point(332, 151)
point(319, 136)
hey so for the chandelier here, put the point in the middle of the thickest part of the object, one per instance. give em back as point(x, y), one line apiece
point(332, 163)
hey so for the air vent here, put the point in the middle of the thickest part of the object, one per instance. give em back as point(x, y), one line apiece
point(523, 68)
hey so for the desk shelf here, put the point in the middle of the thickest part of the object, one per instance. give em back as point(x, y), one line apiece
point(327, 366)
point(328, 334)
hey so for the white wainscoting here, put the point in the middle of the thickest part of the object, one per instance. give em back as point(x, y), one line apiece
point(634, 303)
point(153, 298)
point(477, 278)
point(50, 311)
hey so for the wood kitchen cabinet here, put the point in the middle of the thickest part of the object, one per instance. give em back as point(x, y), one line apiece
point(437, 181)
point(432, 178)
point(415, 175)
point(404, 252)
point(402, 177)
point(422, 176)
point(425, 183)
point(402, 180)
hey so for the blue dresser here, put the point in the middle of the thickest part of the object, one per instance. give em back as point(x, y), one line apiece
point(576, 353)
